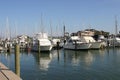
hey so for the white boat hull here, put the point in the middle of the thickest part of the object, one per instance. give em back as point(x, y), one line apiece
point(95, 45)
point(42, 48)
point(83, 46)
point(41, 41)
point(45, 48)
point(114, 42)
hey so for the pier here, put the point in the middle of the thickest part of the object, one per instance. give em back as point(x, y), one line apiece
point(7, 74)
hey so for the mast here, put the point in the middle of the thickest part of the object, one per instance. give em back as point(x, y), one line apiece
point(16, 29)
point(116, 24)
point(56, 33)
point(42, 27)
point(64, 31)
point(36, 29)
point(7, 29)
point(51, 29)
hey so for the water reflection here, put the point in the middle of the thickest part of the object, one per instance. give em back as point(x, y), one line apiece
point(6, 58)
point(12, 62)
point(43, 59)
point(54, 65)
point(83, 57)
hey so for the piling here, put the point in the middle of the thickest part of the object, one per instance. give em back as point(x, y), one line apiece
point(17, 59)
point(75, 45)
point(38, 46)
point(58, 55)
point(64, 42)
point(108, 44)
point(58, 45)
point(64, 58)
point(9, 49)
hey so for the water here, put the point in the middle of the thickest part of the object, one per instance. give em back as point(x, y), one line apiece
point(67, 65)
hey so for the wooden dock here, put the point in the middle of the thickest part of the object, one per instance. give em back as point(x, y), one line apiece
point(7, 74)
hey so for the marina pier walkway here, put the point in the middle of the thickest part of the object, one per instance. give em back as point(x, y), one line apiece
point(7, 74)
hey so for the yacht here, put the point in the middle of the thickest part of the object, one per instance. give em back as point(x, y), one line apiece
point(115, 41)
point(75, 43)
point(41, 41)
point(89, 39)
point(55, 42)
point(103, 40)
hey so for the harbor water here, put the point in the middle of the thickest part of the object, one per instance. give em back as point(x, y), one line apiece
point(67, 64)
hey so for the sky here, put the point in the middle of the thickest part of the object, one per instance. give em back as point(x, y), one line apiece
point(33, 16)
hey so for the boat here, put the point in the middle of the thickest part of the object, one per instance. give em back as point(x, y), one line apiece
point(55, 42)
point(75, 43)
point(103, 41)
point(89, 39)
point(41, 41)
point(114, 42)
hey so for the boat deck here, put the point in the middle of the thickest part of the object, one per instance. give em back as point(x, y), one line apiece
point(7, 74)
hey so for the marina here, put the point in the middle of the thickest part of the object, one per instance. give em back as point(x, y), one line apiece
point(59, 40)
point(70, 64)
point(41, 57)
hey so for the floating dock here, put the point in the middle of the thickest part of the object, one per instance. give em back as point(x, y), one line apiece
point(7, 74)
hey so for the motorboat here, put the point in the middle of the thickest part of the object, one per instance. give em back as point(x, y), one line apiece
point(41, 41)
point(91, 40)
point(75, 43)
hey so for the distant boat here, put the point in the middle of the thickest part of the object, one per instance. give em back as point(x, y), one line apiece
point(75, 43)
point(41, 40)
point(114, 42)
point(55, 42)
point(89, 39)
point(102, 39)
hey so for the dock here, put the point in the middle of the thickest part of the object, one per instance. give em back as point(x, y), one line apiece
point(7, 74)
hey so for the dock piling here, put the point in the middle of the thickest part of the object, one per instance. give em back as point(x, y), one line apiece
point(58, 45)
point(38, 46)
point(17, 59)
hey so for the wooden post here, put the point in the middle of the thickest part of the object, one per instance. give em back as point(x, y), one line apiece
point(64, 35)
point(17, 59)
point(75, 45)
point(9, 48)
point(108, 44)
point(114, 41)
point(58, 55)
point(64, 57)
point(38, 46)
point(58, 45)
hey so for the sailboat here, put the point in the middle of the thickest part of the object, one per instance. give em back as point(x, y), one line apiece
point(7, 41)
point(114, 40)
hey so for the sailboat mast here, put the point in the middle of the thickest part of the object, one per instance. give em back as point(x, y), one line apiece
point(116, 25)
point(16, 29)
point(51, 29)
point(64, 31)
point(42, 27)
point(7, 29)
